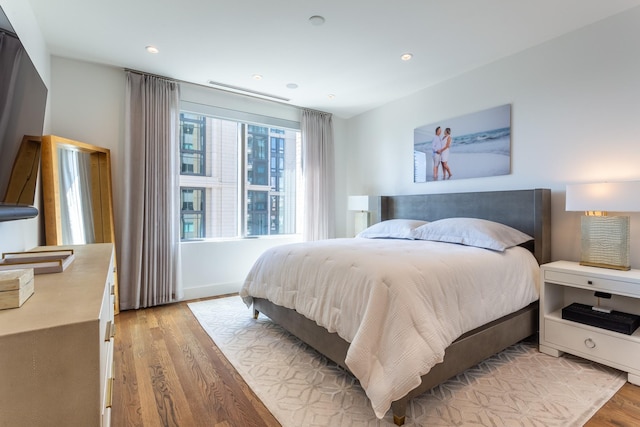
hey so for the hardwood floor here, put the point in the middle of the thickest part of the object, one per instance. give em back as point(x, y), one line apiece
point(623, 409)
point(169, 373)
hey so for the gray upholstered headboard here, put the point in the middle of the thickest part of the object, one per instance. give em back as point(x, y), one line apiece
point(526, 210)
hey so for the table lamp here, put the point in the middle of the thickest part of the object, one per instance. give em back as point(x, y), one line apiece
point(361, 205)
point(604, 239)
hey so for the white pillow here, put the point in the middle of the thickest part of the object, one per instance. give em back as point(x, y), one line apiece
point(392, 229)
point(472, 232)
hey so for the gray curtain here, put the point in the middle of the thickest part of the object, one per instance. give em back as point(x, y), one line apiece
point(319, 175)
point(149, 243)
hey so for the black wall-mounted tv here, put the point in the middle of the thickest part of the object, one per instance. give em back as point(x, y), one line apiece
point(23, 98)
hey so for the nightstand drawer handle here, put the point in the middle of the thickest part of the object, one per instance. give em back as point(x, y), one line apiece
point(590, 343)
point(590, 282)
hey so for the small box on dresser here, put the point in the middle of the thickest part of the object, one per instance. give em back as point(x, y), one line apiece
point(16, 286)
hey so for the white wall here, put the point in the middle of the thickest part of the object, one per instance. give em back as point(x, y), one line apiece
point(87, 104)
point(25, 234)
point(218, 268)
point(575, 118)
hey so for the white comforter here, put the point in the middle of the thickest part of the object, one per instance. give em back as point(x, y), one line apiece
point(399, 303)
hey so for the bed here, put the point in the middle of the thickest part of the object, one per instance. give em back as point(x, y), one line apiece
point(525, 210)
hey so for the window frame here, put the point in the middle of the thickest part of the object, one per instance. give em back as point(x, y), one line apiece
point(245, 121)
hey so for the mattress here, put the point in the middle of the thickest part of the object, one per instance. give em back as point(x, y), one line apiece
point(399, 303)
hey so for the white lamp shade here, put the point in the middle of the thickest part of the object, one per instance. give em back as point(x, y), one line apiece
point(605, 196)
point(358, 203)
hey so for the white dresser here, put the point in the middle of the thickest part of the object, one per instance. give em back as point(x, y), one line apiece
point(56, 351)
point(563, 283)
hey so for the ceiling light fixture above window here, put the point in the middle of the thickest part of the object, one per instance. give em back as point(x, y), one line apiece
point(406, 56)
point(256, 77)
point(331, 96)
point(152, 49)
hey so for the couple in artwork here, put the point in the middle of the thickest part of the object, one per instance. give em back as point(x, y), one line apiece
point(440, 147)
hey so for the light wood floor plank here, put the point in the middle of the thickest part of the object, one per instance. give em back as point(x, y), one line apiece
point(186, 354)
point(128, 399)
point(168, 372)
point(623, 409)
point(167, 385)
point(150, 413)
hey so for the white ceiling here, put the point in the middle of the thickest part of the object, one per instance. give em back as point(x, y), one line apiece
point(355, 55)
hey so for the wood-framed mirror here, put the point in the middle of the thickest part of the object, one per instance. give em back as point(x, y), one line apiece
point(77, 195)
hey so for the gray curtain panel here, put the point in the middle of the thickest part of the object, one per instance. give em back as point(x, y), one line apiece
point(318, 169)
point(149, 242)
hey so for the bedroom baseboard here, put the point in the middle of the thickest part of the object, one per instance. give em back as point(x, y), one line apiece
point(212, 290)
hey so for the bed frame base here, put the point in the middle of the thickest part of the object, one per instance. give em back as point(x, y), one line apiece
point(467, 351)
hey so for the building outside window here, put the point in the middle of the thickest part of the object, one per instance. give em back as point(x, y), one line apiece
point(247, 177)
point(192, 213)
point(192, 144)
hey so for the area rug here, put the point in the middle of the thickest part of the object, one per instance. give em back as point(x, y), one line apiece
point(517, 387)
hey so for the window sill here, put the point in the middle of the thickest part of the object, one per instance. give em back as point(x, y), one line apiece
point(293, 237)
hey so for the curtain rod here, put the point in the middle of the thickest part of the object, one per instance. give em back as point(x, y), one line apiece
point(316, 111)
point(144, 73)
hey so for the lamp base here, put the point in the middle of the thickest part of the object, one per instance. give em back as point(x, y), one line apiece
point(610, 266)
point(605, 242)
point(361, 221)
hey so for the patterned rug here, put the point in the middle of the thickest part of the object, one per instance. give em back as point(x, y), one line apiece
point(517, 387)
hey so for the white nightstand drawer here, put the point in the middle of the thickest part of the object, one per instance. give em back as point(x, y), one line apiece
point(593, 281)
point(604, 347)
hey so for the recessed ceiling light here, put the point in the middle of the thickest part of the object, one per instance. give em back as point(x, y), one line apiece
point(256, 77)
point(292, 86)
point(406, 56)
point(331, 96)
point(316, 20)
point(152, 49)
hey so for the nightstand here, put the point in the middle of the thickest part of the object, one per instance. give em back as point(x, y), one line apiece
point(563, 283)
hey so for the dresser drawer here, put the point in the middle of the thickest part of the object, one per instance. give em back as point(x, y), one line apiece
point(604, 347)
point(106, 418)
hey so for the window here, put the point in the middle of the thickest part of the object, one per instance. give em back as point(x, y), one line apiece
point(250, 173)
point(192, 213)
point(192, 144)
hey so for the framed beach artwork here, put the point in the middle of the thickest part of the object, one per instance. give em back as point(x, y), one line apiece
point(470, 146)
